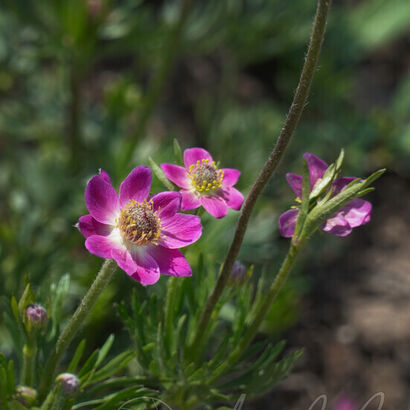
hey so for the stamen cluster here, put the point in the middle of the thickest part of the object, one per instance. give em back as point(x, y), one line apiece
point(204, 175)
point(139, 224)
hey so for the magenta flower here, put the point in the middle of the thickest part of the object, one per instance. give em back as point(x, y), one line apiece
point(204, 184)
point(141, 233)
point(355, 213)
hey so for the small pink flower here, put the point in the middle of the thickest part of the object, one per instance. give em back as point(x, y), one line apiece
point(204, 184)
point(352, 215)
point(141, 233)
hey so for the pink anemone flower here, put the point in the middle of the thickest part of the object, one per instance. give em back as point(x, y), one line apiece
point(141, 233)
point(204, 184)
point(355, 213)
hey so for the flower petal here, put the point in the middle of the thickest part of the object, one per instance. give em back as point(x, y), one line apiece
point(104, 175)
point(337, 226)
point(287, 222)
point(180, 230)
point(295, 182)
point(215, 205)
point(340, 184)
point(101, 200)
point(124, 260)
point(234, 198)
point(136, 186)
point(231, 176)
point(192, 155)
point(88, 226)
point(101, 245)
point(189, 200)
point(178, 175)
point(147, 272)
point(168, 203)
point(171, 261)
point(357, 212)
point(317, 167)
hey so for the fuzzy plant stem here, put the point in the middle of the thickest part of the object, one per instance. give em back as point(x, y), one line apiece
point(158, 82)
point(292, 120)
point(77, 320)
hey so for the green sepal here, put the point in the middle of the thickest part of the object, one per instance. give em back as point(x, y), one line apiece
point(323, 210)
point(304, 207)
point(178, 152)
point(156, 169)
point(329, 176)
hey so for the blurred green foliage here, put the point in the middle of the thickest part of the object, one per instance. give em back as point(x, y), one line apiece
point(84, 82)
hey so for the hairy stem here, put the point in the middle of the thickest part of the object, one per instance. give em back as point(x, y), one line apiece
point(292, 120)
point(101, 281)
point(157, 83)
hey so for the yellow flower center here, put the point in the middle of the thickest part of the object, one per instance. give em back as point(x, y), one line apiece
point(205, 177)
point(139, 224)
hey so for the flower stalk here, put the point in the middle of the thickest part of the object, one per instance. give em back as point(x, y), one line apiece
point(292, 120)
point(101, 281)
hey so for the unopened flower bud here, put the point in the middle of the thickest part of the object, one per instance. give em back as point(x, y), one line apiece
point(36, 315)
point(238, 273)
point(26, 395)
point(69, 383)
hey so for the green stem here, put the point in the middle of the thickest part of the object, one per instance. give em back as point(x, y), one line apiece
point(263, 307)
point(157, 84)
point(77, 320)
point(29, 355)
point(292, 120)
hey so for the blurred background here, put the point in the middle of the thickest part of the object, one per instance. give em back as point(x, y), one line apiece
point(86, 84)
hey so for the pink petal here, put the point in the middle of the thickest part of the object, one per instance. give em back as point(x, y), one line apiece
point(168, 203)
point(136, 186)
point(234, 198)
point(171, 261)
point(215, 205)
point(189, 200)
point(178, 175)
point(337, 226)
point(124, 260)
point(340, 184)
point(147, 272)
point(287, 222)
point(180, 230)
point(317, 167)
point(295, 182)
point(192, 155)
point(88, 226)
point(101, 200)
point(357, 212)
point(231, 176)
point(104, 175)
point(100, 246)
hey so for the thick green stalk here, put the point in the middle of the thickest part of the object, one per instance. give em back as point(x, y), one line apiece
point(77, 320)
point(292, 120)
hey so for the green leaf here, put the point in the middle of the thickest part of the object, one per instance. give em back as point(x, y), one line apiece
point(113, 366)
point(160, 175)
point(104, 350)
point(77, 357)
